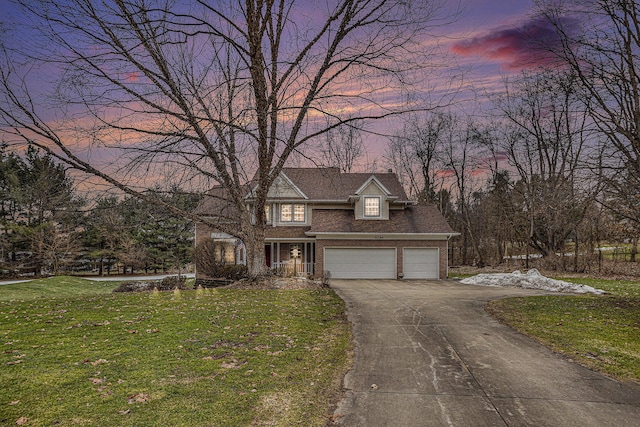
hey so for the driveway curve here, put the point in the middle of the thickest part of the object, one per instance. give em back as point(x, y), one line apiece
point(427, 354)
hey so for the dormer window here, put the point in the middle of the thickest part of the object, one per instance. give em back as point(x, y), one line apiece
point(372, 207)
point(292, 213)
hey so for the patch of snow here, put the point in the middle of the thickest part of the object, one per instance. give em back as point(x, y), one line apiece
point(531, 280)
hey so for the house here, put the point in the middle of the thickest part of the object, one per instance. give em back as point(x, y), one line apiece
point(352, 225)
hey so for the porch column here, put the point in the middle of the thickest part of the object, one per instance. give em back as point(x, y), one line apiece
point(306, 256)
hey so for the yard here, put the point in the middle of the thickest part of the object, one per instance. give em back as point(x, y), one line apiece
point(73, 353)
point(80, 355)
point(600, 332)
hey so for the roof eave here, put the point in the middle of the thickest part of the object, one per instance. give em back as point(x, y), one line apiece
point(380, 236)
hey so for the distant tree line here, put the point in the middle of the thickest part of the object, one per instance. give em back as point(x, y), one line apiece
point(553, 171)
point(47, 227)
point(550, 172)
point(534, 179)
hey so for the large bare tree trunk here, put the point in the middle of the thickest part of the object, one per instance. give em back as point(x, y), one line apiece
point(211, 94)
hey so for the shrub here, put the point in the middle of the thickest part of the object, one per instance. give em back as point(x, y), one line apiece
point(326, 278)
point(169, 283)
point(136, 286)
point(205, 256)
point(231, 271)
point(172, 282)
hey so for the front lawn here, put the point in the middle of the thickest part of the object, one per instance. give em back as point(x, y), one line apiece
point(601, 332)
point(55, 287)
point(184, 358)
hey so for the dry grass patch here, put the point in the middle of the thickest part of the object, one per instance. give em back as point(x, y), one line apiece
point(223, 357)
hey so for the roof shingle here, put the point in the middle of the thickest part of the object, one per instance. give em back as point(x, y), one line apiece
point(413, 219)
point(318, 184)
point(331, 184)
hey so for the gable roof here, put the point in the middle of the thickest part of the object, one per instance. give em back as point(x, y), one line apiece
point(375, 180)
point(314, 184)
point(331, 184)
point(216, 203)
point(281, 185)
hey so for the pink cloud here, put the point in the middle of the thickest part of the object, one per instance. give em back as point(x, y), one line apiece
point(445, 173)
point(132, 77)
point(528, 45)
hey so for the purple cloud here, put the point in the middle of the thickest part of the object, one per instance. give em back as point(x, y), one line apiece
point(528, 45)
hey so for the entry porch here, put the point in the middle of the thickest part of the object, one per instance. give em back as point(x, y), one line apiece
point(294, 258)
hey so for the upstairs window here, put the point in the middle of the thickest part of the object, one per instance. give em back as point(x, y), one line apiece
point(292, 213)
point(267, 214)
point(372, 207)
point(298, 213)
point(285, 213)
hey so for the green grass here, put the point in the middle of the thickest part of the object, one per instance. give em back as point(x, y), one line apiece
point(54, 287)
point(186, 358)
point(601, 332)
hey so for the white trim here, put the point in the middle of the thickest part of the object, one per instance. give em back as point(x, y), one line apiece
point(268, 216)
point(295, 187)
point(377, 182)
point(287, 179)
point(293, 211)
point(364, 207)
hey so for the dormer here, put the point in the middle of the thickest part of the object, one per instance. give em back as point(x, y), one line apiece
point(371, 200)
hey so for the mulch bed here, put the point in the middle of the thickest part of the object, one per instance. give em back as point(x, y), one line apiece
point(273, 283)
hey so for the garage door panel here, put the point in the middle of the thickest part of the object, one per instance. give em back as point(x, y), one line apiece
point(360, 263)
point(421, 263)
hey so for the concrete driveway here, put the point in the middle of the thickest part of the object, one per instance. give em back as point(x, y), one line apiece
point(428, 355)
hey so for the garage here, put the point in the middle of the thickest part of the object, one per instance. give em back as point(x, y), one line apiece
point(360, 263)
point(421, 263)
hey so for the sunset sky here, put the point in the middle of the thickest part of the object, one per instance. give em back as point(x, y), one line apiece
point(489, 40)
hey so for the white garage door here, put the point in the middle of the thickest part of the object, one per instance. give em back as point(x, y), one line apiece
point(421, 263)
point(360, 263)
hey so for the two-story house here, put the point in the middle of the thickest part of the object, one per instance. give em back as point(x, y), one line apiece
point(353, 225)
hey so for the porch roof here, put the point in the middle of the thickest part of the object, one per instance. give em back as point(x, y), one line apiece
point(413, 219)
point(286, 232)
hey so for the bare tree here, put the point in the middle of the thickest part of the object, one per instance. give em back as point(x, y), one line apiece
point(415, 153)
point(544, 140)
point(343, 147)
point(225, 91)
point(463, 155)
point(600, 43)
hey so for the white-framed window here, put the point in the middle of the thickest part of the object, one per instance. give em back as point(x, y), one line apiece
point(292, 213)
point(285, 213)
point(267, 214)
point(372, 207)
point(298, 213)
